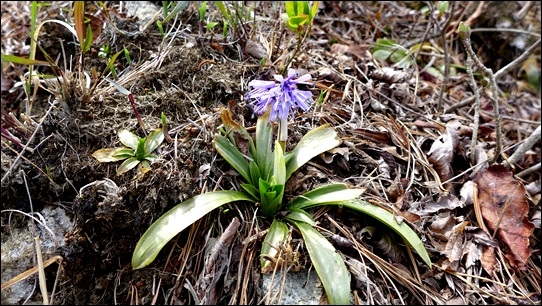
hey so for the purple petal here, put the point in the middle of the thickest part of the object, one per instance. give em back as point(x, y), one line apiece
point(261, 84)
point(303, 79)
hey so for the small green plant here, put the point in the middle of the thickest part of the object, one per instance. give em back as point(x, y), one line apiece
point(209, 25)
point(299, 18)
point(137, 151)
point(266, 171)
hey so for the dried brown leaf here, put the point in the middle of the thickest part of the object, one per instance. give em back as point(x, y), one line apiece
point(505, 210)
point(489, 262)
point(255, 49)
point(441, 153)
point(389, 75)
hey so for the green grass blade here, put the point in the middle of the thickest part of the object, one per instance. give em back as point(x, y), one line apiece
point(176, 220)
point(23, 61)
point(180, 5)
point(328, 264)
point(316, 141)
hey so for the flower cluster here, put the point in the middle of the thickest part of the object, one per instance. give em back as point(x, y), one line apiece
point(283, 97)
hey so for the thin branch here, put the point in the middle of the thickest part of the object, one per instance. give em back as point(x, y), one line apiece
point(523, 148)
point(518, 60)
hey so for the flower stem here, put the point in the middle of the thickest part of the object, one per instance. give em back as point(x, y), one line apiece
point(283, 132)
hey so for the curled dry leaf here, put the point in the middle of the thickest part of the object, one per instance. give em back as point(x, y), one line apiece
point(389, 75)
point(441, 153)
point(505, 210)
point(255, 49)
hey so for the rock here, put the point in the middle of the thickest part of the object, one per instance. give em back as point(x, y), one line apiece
point(18, 254)
point(300, 288)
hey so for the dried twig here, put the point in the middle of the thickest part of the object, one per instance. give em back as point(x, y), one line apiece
point(473, 60)
point(523, 148)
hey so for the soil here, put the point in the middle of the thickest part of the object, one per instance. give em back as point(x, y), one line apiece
point(191, 78)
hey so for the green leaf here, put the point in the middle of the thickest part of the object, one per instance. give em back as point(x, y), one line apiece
point(296, 21)
point(224, 11)
point(127, 165)
point(180, 5)
point(328, 264)
point(270, 197)
point(140, 152)
point(111, 154)
point(277, 234)
point(388, 219)
point(88, 40)
point(300, 215)
point(263, 136)
point(110, 64)
point(316, 141)
point(232, 155)
point(128, 139)
point(279, 166)
point(154, 140)
point(176, 220)
point(202, 10)
point(314, 9)
point(23, 61)
point(385, 49)
point(289, 8)
point(150, 157)
point(124, 153)
point(254, 173)
point(253, 191)
point(327, 194)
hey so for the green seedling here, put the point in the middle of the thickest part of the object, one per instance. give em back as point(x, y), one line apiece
point(299, 15)
point(299, 18)
point(137, 151)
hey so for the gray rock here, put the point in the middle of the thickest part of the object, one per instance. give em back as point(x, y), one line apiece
point(18, 254)
point(300, 288)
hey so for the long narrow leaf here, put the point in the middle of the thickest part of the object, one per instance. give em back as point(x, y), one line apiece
point(327, 194)
point(232, 155)
point(328, 264)
point(177, 219)
point(79, 22)
point(388, 219)
point(316, 141)
point(279, 166)
point(264, 135)
point(112, 154)
point(21, 60)
point(277, 234)
point(180, 5)
point(154, 140)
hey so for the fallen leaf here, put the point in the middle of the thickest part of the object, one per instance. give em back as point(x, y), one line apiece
point(448, 201)
point(255, 49)
point(389, 75)
point(488, 260)
point(441, 153)
point(504, 210)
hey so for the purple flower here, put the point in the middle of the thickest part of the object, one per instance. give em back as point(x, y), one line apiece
point(282, 97)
